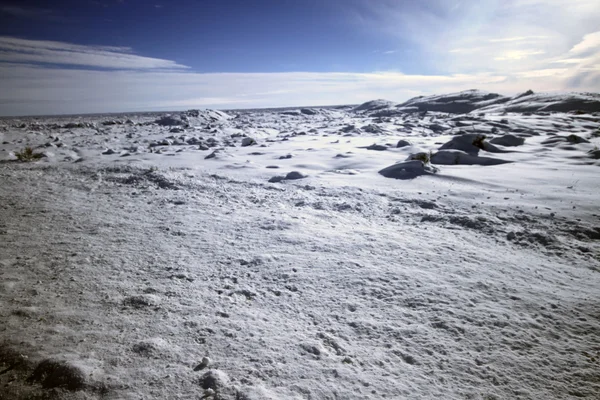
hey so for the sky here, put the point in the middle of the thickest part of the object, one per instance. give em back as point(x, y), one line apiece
point(97, 56)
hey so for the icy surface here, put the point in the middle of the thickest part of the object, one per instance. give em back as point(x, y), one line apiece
point(154, 256)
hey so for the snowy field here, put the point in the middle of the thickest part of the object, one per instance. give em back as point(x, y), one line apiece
point(444, 248)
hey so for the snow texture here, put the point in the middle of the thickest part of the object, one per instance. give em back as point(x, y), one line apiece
point(177, 266)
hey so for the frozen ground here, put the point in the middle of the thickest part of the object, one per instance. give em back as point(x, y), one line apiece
point(150, 257)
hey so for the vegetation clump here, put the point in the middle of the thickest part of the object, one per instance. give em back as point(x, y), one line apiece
point(425, 158)
point(478, 142)
point(28, 155)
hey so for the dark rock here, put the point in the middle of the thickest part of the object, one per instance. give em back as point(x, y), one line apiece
point(276, 179)
point(295, 175)
point(58, 374)
point(247, 141)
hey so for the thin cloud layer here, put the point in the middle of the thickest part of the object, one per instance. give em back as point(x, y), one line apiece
point(17, 50)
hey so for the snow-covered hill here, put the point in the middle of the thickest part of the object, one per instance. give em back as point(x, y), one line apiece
point(473, 101)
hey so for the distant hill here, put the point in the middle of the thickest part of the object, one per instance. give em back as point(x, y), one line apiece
point(469, 101)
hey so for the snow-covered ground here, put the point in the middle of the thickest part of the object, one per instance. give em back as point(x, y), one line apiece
point(271, 254)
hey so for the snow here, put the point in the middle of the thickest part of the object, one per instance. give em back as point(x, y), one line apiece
point(157, 271)
point(461, 102)
point(477, 101)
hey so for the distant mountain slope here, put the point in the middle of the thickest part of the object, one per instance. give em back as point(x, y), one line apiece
point(456, 103)
point(561, 102)
point(481, 101)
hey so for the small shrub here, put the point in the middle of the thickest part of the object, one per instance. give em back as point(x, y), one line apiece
point(478, 142)
point(27, 155)
point(423, 157)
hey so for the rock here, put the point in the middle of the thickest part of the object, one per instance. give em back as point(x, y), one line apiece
point(169, 120)
point(408, 170)
point(508, 140)
point(247, 141)
point(286, 157)
point(277, 179)
point(58, 374)
point(177, 129)
point(215, 380)
point(377, 147)
point(311, 348)
point(403, 143)
point(111, 122)
point(142, 301)
point(203, 364)
point(295, 175)
point(576, 139)
point(108, 152)
point(211, 155)
point(203, 146)
point(308, 111)
point(470, 143)
point(458, 157)
point(594, 153)
point(372, 128)
point(438, 127)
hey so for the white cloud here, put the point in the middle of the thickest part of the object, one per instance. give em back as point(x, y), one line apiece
point(27, 89)
point(506, 36)
point(518, 39)
point(34, 81)
point(49, 52)
point(590, 43)
point(518, 54)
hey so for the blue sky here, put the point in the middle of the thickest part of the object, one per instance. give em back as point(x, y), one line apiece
point(129, 55)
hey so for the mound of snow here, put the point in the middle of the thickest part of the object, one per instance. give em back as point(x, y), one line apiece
point(455, 103)
point(208, 115)
point(375, 105)
point(408, 170)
